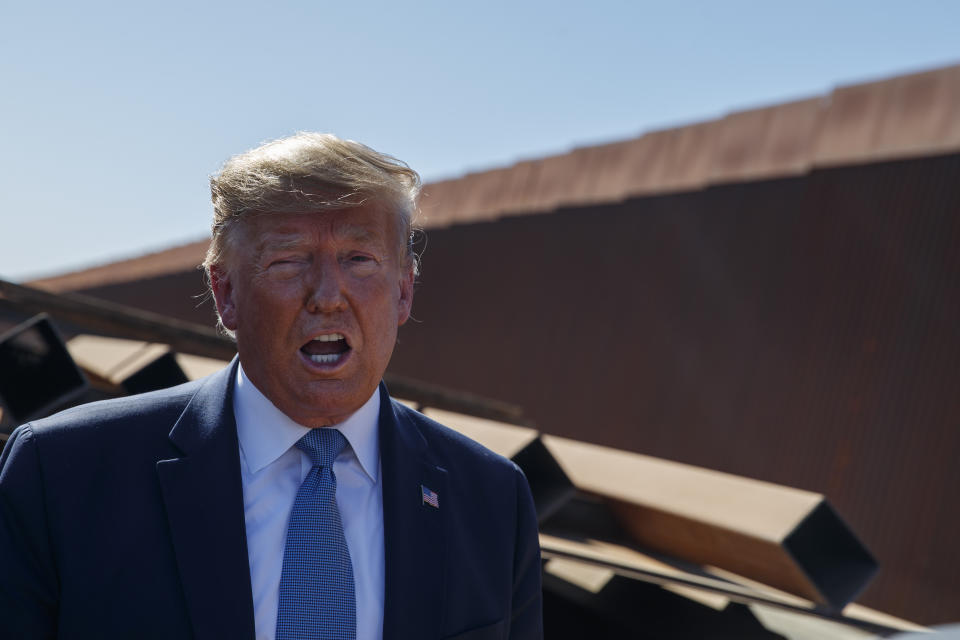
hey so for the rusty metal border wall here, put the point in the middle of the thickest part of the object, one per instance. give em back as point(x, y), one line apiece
point(800, 330)
point(804, 331)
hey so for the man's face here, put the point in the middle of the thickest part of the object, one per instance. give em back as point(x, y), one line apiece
point(315, 300)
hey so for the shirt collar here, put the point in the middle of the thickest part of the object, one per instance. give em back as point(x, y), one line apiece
point(266, 433)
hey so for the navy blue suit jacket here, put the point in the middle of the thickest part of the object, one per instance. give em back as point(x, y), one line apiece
point(124, 519)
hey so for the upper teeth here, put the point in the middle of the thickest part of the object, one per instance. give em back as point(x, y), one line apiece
point(330, 337)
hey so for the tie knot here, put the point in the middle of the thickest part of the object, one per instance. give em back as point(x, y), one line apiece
point(323, 445)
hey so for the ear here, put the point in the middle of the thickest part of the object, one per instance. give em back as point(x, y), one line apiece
point(405, 302)
point(223, 295)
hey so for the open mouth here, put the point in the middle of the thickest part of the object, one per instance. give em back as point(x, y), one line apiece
point(326, 349)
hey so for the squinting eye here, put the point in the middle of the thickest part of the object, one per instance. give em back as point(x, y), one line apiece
point(284, 264)
point(360, 259)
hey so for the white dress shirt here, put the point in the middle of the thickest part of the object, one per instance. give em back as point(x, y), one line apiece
point(272, 469)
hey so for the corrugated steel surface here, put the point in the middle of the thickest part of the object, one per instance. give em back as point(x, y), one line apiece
point(802, 331)
point(160, 263)
point(904, 116)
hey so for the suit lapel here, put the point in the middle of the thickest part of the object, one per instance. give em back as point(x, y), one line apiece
point(203, 496)
point(415, 556)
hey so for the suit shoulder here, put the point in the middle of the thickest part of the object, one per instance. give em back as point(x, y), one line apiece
point(451, 443)
point(106, 417)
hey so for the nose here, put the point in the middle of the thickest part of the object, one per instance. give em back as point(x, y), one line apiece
point(325, 288)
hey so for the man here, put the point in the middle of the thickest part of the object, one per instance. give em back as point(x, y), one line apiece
point(288, 495)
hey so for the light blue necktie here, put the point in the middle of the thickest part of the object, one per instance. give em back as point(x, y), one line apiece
point(317, 597)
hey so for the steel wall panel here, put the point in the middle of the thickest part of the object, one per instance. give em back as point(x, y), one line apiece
point(801, 331)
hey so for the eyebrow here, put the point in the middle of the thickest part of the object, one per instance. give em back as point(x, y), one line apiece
point(275, 243)
point(361, 234)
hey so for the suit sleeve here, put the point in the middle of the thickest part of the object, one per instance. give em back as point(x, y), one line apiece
point(527, 609)
point(28, 579)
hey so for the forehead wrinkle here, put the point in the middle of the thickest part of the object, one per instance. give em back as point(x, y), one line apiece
point(272, 241)
point(266, 235)
point(364, 233)
point(357, 232)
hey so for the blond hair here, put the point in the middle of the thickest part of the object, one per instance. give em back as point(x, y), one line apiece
point(307, 173)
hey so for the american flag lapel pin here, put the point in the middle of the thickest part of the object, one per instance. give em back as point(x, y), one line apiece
point(430, 497)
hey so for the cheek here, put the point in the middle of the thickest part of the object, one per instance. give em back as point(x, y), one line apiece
point(271, 312)
point(279, 293)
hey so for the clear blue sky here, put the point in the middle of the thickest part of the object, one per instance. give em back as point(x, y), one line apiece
point(113, 114)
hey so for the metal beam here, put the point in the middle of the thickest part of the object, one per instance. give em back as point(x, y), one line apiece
point(120, 321)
